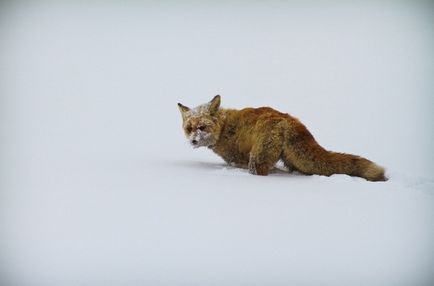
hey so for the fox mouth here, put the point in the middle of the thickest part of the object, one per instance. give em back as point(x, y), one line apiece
point(197, 143)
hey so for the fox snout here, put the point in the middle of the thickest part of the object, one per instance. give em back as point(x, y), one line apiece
point(199, 138)
point(194, 143)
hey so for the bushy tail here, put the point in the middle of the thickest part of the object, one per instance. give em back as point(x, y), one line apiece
point(307, 156)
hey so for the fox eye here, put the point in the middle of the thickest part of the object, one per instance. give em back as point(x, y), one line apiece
point(202, 127)
point(189, 129)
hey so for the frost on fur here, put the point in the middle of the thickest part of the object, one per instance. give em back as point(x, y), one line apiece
point(200, 123)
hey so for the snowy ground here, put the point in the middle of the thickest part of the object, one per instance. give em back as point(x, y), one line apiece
point(99, 186)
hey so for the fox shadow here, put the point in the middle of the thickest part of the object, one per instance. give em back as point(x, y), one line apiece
point(221, 166)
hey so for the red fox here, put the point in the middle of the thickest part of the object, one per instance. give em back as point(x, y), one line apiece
point(257, 138)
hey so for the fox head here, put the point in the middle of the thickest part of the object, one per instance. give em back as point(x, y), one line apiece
point(201, 125)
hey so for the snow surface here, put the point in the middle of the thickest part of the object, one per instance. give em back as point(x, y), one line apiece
point(100, 187)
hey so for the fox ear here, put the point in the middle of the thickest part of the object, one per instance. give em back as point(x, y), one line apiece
point(214, 104)
point(183, 109)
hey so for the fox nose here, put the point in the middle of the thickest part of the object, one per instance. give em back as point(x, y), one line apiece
point(194, 142)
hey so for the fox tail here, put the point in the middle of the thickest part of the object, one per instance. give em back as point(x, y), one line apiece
point(304, 154)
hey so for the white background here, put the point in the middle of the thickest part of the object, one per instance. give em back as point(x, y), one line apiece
point(99, 186)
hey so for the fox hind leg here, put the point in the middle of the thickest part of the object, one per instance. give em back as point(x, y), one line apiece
point(264, 156)
point(258, 167)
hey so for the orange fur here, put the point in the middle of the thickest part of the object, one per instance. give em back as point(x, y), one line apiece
point(256, 138)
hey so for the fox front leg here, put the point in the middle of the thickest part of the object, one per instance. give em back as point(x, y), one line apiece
point(252, 165)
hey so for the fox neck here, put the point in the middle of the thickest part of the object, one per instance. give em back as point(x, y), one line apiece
point(222, 119)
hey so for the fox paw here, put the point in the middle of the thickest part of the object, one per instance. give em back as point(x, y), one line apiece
point(256, 168)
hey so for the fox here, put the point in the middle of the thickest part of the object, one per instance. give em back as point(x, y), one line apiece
point(257, 138)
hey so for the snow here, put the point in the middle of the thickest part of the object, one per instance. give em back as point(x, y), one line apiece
point(199, 110)
point(99, 185)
